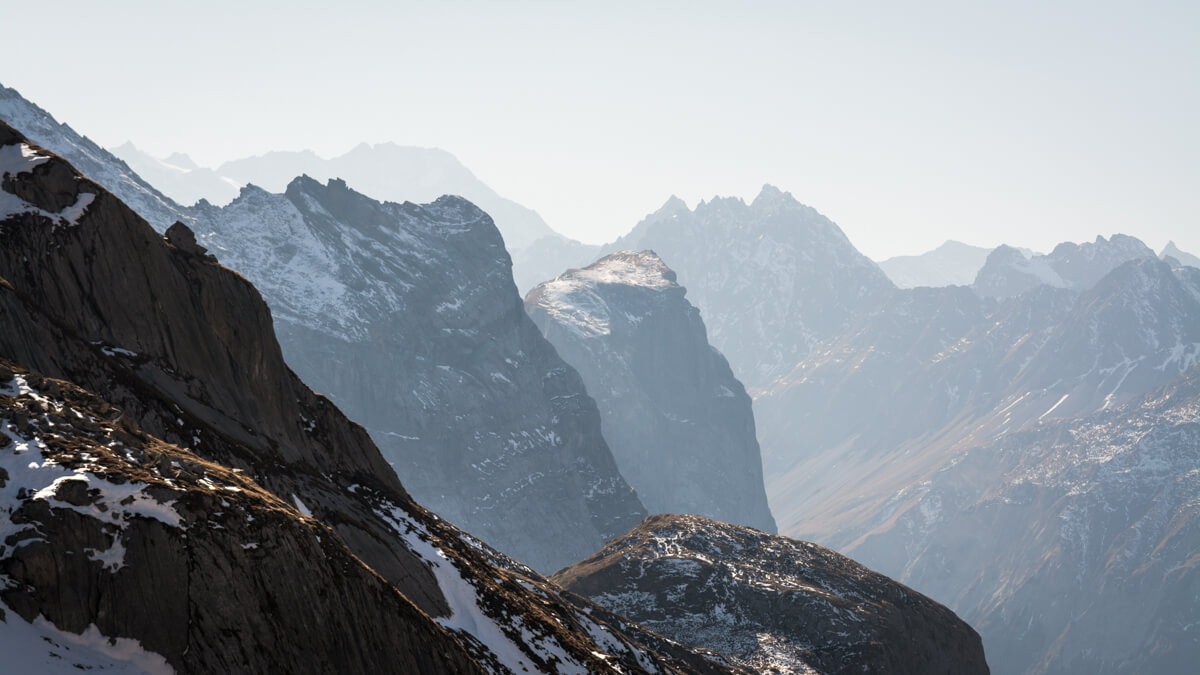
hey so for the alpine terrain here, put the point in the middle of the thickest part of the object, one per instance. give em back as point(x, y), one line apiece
point(678, 422)
point(771, 603)
point(174, 498)
point(951, 264)
point(771, 278)
point(1024, 460)
point(408, 318)
point(385, 171)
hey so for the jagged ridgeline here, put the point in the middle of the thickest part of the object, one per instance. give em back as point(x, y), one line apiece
point(407, 317)
point(172, 491)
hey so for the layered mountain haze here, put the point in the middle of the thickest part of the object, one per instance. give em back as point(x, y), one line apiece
point(1009, 272)
point(407, 317)
point(678, 422)
point(948, 376)
point(179, 177)
point(1071, 545)
point(384, 171)
point(772, 278)
point(91, 159)
point(951, 264)
point(194, 454)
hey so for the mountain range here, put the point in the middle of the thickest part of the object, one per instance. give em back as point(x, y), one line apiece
point(384, 171)
point(158, 441)
point(1020, 446)
point(951, 264)
point(877, 441)
point(490, 428)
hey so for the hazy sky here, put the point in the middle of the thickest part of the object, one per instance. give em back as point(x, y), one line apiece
point(907, 123)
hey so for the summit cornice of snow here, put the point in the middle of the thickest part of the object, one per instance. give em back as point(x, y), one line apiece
point(394, 173)
point(90, 159)
point(435, 356)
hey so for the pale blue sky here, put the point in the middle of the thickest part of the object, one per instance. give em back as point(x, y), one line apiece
point(907, 123)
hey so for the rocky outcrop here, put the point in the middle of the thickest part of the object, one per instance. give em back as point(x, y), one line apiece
point(407, 317)
point(678, 422)
point(1009, 272)
point(182, 347)
point(772, 603)
point(105, 528)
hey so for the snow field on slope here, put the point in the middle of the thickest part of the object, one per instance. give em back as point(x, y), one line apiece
point(467, 616)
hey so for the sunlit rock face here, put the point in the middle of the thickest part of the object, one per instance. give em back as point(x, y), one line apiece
point(678, 422)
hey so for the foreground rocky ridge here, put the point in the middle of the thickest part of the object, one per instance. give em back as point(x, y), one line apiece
point(678, 422)
point(183, 348)
point(773, 604)
point(406, 316)
point(107, 528)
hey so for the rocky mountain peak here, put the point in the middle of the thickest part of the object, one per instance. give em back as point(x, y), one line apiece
point(667, 399)
point(771, 199)
point(214, 510)
point(770, 603)
point(672, 207)
point(1070, 265)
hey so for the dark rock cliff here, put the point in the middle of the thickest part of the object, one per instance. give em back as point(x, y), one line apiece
point(183, 349)
point(407, 317)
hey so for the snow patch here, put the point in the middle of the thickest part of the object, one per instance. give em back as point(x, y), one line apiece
point(41, 648)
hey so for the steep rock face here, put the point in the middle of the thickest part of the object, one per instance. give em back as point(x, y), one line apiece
point(407, 317)
point(890, 427)
point(772, 603)
point(91, 159)
point(182, 347)
point(548, 257)
point(108, 529)
point(1008, 272)
point(390, 172)
point(1184, 258)
point(771, 278)
point(178, 176)
point(678, 422)
point(951, 264)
